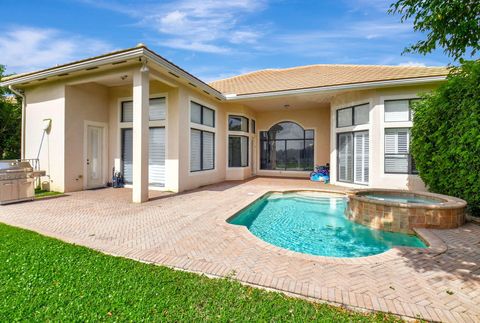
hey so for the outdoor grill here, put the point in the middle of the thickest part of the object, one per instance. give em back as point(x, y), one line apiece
point(17, 181)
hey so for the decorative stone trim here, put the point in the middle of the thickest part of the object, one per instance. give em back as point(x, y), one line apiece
point(393, 216)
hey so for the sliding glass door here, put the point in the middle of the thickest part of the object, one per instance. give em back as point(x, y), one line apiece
point(353, 157)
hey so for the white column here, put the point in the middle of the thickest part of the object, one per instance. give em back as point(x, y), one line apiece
point(140, 135)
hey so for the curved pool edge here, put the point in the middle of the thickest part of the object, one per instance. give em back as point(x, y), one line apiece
point(435, 245)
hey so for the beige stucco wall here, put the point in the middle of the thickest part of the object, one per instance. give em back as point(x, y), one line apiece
point(376, 127)
point(316, 119)
point(85, 103)
point(47, 102)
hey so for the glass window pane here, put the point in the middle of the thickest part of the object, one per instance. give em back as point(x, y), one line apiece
point(253, 126)
point(208, 117)
point(157, 109)
point(237, 123)
point(127, 111)
point(237, 151)
point(278, 154)
point(344, 117)
point(195, 150)
point(397, 111)
point(195, 113)
point(309, 134)
point(208, 150)
point(295, 150)
point(309, 156)
point(361, 114)
point(286, 130)
point(263, 135)
point(264, 155)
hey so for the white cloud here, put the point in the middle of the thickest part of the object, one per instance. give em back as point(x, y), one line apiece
point(25, 48)
point(412, 63)
point(211, 26)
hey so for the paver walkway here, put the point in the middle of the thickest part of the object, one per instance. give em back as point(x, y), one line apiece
point(189, 231)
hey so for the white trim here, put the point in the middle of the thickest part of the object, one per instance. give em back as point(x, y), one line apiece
point(103, 125)
point(356, 86)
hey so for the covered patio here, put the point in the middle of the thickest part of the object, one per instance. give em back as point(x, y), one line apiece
point(188, 231)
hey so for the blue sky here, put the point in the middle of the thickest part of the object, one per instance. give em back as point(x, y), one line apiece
point(209, 38)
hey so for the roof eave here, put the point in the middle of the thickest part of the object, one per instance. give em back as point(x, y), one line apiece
point(334, 88)
point(113, 58)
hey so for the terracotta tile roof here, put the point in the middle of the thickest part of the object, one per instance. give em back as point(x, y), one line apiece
point(302, 77)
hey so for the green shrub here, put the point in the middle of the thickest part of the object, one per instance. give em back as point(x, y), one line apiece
point(446, 136)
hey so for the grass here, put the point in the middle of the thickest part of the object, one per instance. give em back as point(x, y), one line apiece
point(39, 193)
point(44, 279)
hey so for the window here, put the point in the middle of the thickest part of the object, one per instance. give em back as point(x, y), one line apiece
point(202, 115)
point(156, 156)
point(253, 126)
point(353, 116)
point(237, 123)
point(157, 110)
point(287, 146)
point(399, 110)
point(397, 152)
point(237, 151)
point(353, 157)
point(202, 150)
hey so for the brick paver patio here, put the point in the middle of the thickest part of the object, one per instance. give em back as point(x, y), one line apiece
point(189, 231)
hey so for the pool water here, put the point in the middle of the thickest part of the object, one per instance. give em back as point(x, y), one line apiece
point(315, 224)
point(401, 199)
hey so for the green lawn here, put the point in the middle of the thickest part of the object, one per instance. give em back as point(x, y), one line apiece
point(43, 279)
point(39, 193)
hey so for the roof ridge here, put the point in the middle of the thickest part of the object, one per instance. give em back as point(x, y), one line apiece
point(325, 65)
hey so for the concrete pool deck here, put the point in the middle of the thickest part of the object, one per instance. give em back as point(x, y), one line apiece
point(188, 231)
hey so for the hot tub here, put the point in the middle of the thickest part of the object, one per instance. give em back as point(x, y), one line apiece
point(402, 211)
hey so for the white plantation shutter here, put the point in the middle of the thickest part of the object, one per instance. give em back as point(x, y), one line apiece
point(195, 150)
point(158, 109)
point(127, 154)
point(361, 157)
point(345, 157)
point(156, 160)
point(398, 110)
point(208, 150)
point(397, 142)
point(127, 111)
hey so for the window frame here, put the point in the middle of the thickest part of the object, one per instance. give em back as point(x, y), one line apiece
point(154, 97)
point(410, 110)
point(202, 150)
point(268, 140)
point(202, 108)
point(410, 160)
point(248, 151)
point(241, 117)
point(353, 107)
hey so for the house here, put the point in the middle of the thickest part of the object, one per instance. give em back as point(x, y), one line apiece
point(165, 129)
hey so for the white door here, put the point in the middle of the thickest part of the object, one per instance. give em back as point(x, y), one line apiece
point(95, 176)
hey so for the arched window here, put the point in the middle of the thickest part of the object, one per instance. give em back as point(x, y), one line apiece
point(286, 146)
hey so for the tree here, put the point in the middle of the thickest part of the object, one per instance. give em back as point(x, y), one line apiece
point(446, 136)
point(10, 123)
point(453, 25)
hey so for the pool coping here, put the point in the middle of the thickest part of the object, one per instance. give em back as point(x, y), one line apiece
point(449, 202)
point(435, 245)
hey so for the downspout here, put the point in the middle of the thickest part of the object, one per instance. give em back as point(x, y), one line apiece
point(21, 94)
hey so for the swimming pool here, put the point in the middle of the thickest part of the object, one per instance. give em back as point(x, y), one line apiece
point(314, 223)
